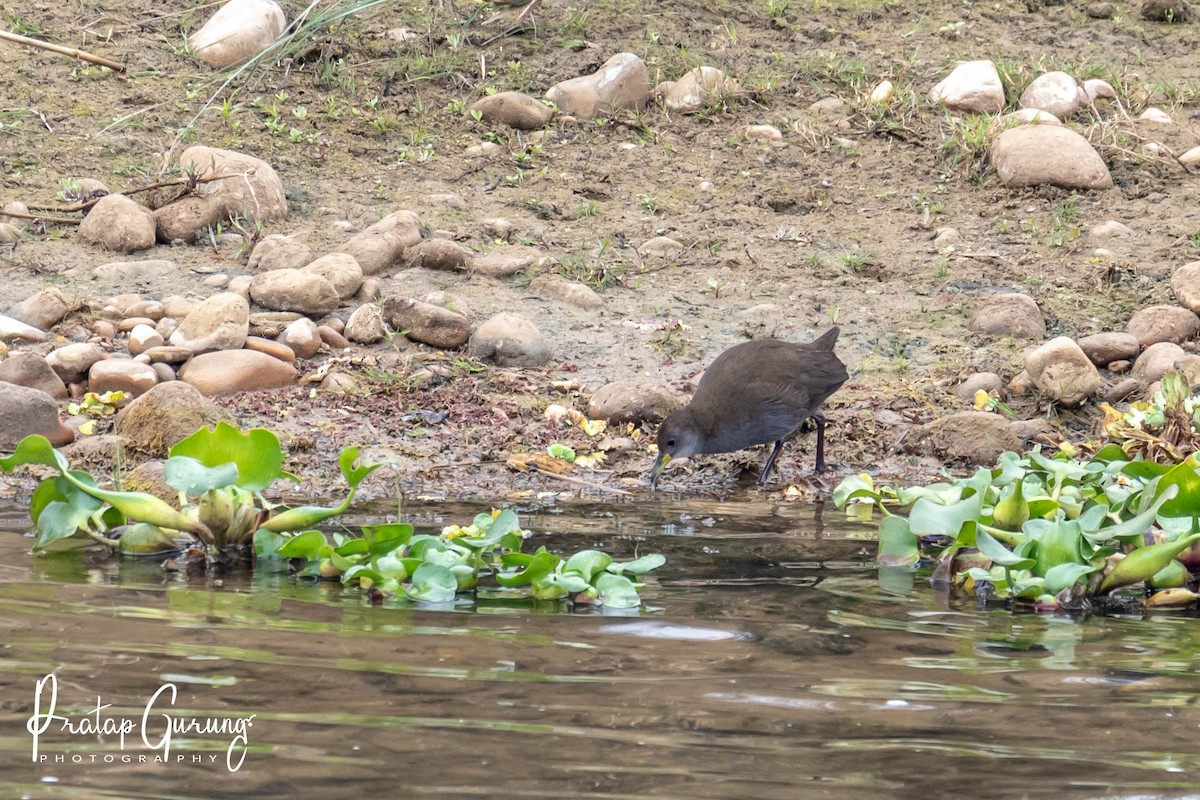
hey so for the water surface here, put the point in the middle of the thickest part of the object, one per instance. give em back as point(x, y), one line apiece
point(770, 663)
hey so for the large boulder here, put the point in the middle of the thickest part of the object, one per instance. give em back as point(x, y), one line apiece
point(244, 187)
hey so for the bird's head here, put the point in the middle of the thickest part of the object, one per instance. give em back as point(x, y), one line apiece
point(678, 437)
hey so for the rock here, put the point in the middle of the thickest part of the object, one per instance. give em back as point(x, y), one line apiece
point(989, 382)
point(1185, 282)
point(1037, 155)
point(15, 329)
point(1026, 116)
point(1061, 370)
point(31, 370)
point(279, 252)
point(559, 288)
point(366, 325)
point(945, 239)
point(151, 309)
point(167, 354)
point(294, 290)
point(426, 323)
point(1021, 384)
point(302, 337)
point(514, 109)
point(1190, 158)
point(1164, 324)
point(142, 338)
point(1039, 428)
point(768, 132)
point(510, 340)
point(1157, 360)
point(661, 247)
point(118, 223)
point(130, 271)
point(483, 150)
point(341, 270)
point(166, 415)
point(43, 310)
point(1056, 92)
point(121, 375)
point(233, 371)
point(1155, 115)
point(272, 348)
point(1104, 348)
point(239, 30)
point(332, 337)
point(508, 260)
point(163, 371)
point(253, 192)
point(1011, 314)
point(28, 411)
point(9, 234)
point(221, 322)
point(1097, 90)
point(830, 107)
point(974, 437)
point(622, 82)
point(1122, 390)
point(269, 324)
point(13, 207)
point(382, 245)
point(631, 401)
point(440, 254)
point(1109, 230)
point(370, 291)
point(764, 319)
point(1167, 11)
point(698, 89)
point(71, 362)
point(972, 86)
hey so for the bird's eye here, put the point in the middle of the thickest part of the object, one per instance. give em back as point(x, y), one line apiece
point(670, 442)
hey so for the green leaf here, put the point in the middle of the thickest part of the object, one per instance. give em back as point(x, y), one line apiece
point(194, 478)
point(570, 582)
point(1058, 542)
point(1064, 576)
point(561, 451)
point(304, 545)
point(143, 539)
point(539, 565)
point(1173, 574)
point(267, 543)
point(34, 449)
point(928, 518)
point(897, 545)
point(256, 453)
point(432, 583)
point(587, 563)
point(1134, 526)
point(60, 510)
point(854, 487)
point(617, 591)
point(1187, 502)
point(639, 566)
point(387, 537)
point(354, 475)
point(998, 553)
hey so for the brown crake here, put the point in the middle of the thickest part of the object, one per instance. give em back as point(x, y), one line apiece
point(756, 392)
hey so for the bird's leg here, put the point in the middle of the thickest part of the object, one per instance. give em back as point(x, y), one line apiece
point(762, 479)
point(819, 418)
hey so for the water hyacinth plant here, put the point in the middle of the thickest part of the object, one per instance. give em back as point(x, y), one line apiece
point(1055, 530)
point(219, 473)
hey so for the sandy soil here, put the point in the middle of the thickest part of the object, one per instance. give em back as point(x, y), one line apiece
point(834, 223)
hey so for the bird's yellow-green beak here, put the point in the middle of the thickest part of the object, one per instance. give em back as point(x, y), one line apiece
point(656, 470)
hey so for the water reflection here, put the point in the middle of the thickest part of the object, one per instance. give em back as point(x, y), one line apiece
point(773, 664)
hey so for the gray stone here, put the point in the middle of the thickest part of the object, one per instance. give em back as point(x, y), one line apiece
point(1185, 282)
point(1045, 155)
point(121, 375)
point(221, 322)
point(71, 362)
point(29, 411)
point(366, 325)
point(248, 189)
point(427, 323)
point(1105, 348)
point(622, 82)
point(974, 437)
point(1061, 370)
point(235, 371)
point(31, 370)
point(559, 288)
point(278, 251)
point(166, 415)
point(15, 329)
point(506, 261)
point(698, 89)
point(341, 270)
point(1010, 314)
point(1156, 361)
point(302, 337)
point(294, 290)
point(972, 86)
point(514, 109)
point(43, 310)
point(439, 254)
point(1056, 92)
point(382, 245)
point(632, 401)
point(510, 340)
point(118, 223)
point(1163, 324)
point(989, 382)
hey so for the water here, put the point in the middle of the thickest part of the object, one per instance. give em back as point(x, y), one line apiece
point(772, 664)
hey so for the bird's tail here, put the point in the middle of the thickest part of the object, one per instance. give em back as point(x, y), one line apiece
point(828, 339)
